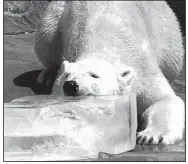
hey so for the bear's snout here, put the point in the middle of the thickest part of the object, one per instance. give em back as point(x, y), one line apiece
point(70, 88)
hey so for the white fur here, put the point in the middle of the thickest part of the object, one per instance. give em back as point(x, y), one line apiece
point(106, 84)
point(110, 38)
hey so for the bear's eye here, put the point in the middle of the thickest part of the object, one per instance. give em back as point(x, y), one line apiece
point(125, 73)
point(93, 75)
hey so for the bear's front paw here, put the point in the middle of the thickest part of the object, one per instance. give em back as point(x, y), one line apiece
point(48, 75)
point(149, 136)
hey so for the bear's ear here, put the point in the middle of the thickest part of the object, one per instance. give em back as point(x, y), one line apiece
point(126, 76)
point(63, 73)
point(65, 66)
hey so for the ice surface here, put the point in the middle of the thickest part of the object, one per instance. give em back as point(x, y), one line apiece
point(53, 128)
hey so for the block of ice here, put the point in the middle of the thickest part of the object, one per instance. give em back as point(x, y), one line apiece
point(55, 128)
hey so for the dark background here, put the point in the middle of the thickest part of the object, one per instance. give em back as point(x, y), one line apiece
point(178, 6)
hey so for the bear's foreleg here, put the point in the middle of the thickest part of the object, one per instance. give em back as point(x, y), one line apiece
point(48, 45)
point(164, 118)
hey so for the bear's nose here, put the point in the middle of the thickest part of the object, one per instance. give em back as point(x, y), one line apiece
point(70, 88)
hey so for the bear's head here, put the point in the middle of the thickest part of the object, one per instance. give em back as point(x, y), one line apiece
point(94, 77)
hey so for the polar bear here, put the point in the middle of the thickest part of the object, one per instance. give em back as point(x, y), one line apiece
point(104, 44)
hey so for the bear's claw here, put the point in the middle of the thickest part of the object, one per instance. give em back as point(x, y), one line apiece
point(146, 139)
